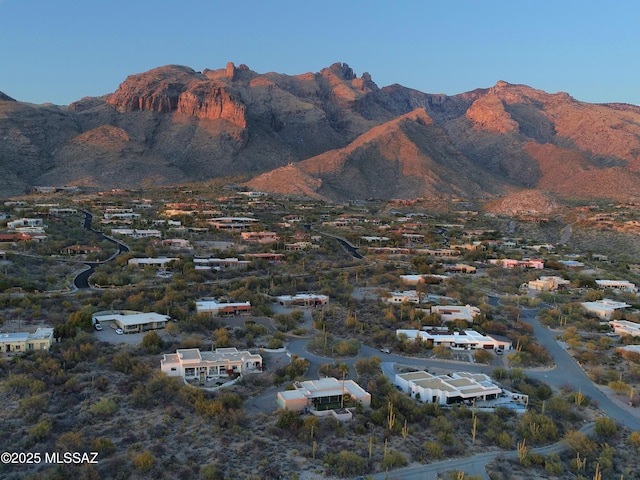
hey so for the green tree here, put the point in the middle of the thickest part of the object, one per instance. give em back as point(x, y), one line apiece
point(152, 342)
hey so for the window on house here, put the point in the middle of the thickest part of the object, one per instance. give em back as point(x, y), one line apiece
point(30, 346)
point(173, 369)
point(189, 371)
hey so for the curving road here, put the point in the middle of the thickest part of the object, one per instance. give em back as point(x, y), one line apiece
point(82, 279)
point(567, 373)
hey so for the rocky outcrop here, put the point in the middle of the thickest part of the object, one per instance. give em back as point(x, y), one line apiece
point(176, 89)
point(210, 101)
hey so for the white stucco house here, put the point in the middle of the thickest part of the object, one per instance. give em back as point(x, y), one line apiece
point(624, 327)
point(191, 363)
point(449, 388)
point(133, 322)
point(604, 308)
point(465, 340)
point(316, 394)
point(450, 313)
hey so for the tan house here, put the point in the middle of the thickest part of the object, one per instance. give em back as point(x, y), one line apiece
point(41, 339)
point(548, 284)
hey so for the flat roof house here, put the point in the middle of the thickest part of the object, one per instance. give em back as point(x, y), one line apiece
point(134, 322)
point(548, 283)
point(408, 296)
point(604, 308)
point(156, 262)
point(214, 308)
point(447, 389)
point(449, 313)
point(467, 340)
point(622, 285)
point(41, 339)
point(623, 327)
point(259, 237)
point(303, 299)
point(322, 394)
point(191, 363)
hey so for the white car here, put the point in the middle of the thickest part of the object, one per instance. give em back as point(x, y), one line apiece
point(97, 326)
point(119, 331)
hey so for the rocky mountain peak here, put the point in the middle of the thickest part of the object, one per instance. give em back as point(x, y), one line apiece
point(341, 70)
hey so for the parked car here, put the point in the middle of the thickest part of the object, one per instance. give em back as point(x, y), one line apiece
point(97, 326)
point(385, 350)
point(119, 331)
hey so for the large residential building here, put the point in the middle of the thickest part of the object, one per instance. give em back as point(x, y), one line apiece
point(326, 393)
point(623, 327)
point(133, 322)
point(219, 263)
point(25, 223)
point(232, 223)
point(303, 299)
point(450, 313)
point(41, 339)
point(136, 233)
point(156, 262)
point(537, 264)
point(466, 340)
point(621, 285)
point(215, 308)
point(259, 237)
point(604, 308)
point(451, 388)
point(548, 284)
point(408, 296)
point(191, 363)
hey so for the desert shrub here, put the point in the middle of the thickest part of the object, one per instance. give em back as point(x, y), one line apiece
point(40, 431)
point(606, 427)
point(104, 407)
point(433, 450)
point(211, 472)
point(346, 463)
point(393, 459)
point(104, 446)
point(144, 461)
point(289, 420)
point(152, 343)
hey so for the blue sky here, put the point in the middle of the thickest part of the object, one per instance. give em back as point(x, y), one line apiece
point(62, 50)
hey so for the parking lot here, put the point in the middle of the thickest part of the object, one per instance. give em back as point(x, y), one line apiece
point(108, 334)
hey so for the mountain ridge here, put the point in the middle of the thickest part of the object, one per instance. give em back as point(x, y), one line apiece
point(347, 137)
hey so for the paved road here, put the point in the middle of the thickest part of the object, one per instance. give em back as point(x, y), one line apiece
point(474, 465)
point(82, 280)
point(567, 373)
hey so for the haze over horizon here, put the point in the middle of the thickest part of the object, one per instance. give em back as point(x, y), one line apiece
point(58, 52)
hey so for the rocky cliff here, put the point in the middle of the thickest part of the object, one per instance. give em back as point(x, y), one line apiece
point(331, 134)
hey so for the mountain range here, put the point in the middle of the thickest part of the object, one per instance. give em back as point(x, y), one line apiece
point(329, 135)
